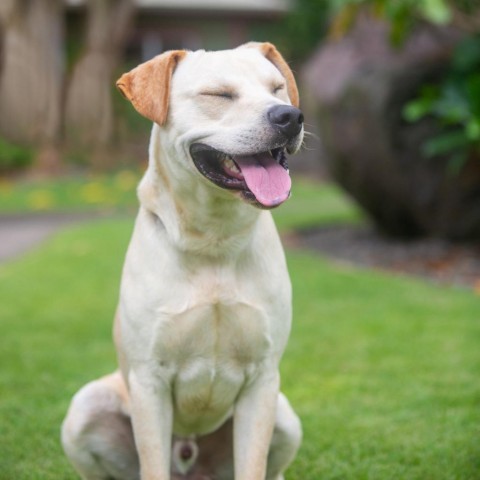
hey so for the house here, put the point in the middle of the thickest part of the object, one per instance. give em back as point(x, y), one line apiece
point(192, 24)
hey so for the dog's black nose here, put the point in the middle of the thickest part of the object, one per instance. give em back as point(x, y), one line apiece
point(287, 119)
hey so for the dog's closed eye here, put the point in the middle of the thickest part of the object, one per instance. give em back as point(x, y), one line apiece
point(278, 88)
point(226, 94)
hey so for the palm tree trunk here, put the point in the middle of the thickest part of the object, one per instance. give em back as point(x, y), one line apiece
point(89, 110)
point(31, 70)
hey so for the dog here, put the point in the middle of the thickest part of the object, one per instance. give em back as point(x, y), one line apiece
point(204, 312)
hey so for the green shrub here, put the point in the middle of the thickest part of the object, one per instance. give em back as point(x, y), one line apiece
point(13, 157)
point(311, 21)
point(455, 105)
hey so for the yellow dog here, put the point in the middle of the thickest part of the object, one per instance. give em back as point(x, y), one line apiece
point(205, 306)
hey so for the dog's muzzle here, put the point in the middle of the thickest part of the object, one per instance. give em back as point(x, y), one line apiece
point(262, 177)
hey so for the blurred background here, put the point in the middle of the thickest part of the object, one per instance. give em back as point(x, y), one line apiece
point(381, 232)
point(390, 88)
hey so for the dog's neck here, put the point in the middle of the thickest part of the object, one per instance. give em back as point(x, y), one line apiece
point(196, 215)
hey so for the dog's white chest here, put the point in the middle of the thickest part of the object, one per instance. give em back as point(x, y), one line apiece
point(204, 327)
point(211, 350)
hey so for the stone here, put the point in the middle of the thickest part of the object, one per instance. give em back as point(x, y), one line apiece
point(359, 86)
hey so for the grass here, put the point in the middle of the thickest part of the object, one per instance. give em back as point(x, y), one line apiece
point(385, 374)
point(313, 204)
point(309, 205)
point(384, 371)
point(74, 193)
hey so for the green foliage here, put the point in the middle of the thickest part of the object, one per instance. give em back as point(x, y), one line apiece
point(313, 20)
point(13, 157)
point(436, 11)
point(303, 28)
point(455, 104)
point(404, 14)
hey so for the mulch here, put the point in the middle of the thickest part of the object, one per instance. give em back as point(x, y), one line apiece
point(440, 261)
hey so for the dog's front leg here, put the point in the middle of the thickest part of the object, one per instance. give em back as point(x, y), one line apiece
point(254, 420)
point(152, 415)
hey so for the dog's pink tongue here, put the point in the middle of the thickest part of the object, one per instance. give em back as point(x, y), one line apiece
point(266, 179)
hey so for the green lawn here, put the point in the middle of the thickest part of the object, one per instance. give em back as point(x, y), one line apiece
point(113, 191)
point(308, 206)
point(384, 371)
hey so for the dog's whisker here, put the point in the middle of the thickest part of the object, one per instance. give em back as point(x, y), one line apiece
point(311, 135)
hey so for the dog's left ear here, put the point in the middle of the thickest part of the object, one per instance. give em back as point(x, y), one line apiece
point(270, 52)
point(148, 85)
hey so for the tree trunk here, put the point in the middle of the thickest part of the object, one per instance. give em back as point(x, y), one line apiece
point(89, 109)
point(31, 70)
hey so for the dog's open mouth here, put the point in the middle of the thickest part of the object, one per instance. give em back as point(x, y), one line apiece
point(261, 177)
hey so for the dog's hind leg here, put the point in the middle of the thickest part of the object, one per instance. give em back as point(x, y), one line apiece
point(98, 439)
point(97, 434)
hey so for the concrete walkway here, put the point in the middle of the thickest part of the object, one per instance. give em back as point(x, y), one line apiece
point(19, 233)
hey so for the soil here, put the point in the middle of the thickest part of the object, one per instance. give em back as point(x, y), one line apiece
point(434, 259)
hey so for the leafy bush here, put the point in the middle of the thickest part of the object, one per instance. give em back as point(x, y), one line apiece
point(455, 104)
point(13, 157)
point(310, 21)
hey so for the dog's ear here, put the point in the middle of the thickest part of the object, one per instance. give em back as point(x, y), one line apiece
point(148, 85)
point(271, 53)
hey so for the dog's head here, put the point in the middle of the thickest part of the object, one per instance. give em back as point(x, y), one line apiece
point(231, 115)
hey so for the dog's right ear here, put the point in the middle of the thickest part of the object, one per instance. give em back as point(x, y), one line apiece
point(148, 85)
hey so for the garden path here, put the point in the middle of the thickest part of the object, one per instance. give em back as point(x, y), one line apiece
point(19, 233)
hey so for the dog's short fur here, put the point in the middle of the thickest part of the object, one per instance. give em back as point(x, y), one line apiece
point(205, 305)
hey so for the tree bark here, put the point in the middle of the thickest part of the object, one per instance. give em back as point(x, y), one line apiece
point(89, 109)
point(31, 70)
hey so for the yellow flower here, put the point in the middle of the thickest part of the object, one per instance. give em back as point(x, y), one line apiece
point(40, 199)
point(94, 192)
point(126, 180)
point(6, 187)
